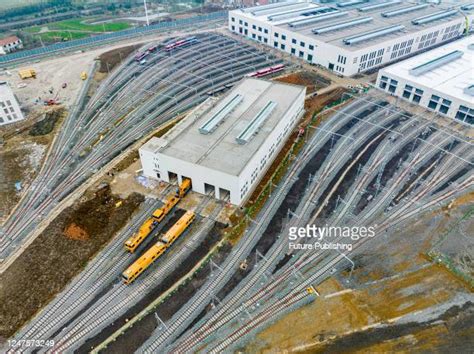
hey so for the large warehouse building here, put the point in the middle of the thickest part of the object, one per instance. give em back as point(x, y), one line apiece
point(441, 80)
point(352, 36)
point(227, 149)
point(9, 109)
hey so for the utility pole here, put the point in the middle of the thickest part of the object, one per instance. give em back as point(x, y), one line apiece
point(146, 13)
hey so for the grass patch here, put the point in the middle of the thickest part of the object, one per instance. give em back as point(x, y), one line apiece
point(79, 25)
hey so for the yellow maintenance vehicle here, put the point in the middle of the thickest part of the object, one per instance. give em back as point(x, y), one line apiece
point(155, 251)
point(147, 227)
point(183, 188)
point(158, 215)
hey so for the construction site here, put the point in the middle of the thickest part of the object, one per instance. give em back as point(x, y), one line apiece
point(149, 192)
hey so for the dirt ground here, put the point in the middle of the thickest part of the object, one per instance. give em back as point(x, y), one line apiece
point(110, 59)
point(395, 300)
point(310, 79)
point(21, 157)
point(60, 253)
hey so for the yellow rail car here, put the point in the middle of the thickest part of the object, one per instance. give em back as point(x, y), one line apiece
point(147, 227)
point(154, 252)
point(184, 187)
point(143, 262)
point(177, 229)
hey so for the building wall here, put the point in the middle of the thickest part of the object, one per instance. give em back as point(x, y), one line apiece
point(442, 103)
point(343, 61)
point(158, 165)
point(262, 160)
point(9, 109)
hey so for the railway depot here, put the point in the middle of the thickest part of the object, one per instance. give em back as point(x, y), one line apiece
point(440, 80)
point(350, 37)
point(226, 150)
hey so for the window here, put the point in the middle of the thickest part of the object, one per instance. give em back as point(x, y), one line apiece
point(293, 41)
point(265, 40)
point(283, 36)
point(302, 44)
point(253, 35)
point(246, 32)
point(254, 27)
point(311, 47)
point(240, 30)
point(233, 28)
point(232, 19)
point(282, 46)
point(301, 54)
point(246, 24)
point(260, 29)
point(293, 51)
point(275, 44)
point(433, 102)
point(465, 114)
point(310, 58)
point(240, 22)
point(265, 31)
point(260, 38)
point(276, 34)
point(393, 86)
point(444, 108)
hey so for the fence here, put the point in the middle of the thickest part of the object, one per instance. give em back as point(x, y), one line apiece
point(115, 36)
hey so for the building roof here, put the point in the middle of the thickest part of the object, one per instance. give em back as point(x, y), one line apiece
point(220, 149)
point(8, 40)
point(341, 20)
point(448, 69)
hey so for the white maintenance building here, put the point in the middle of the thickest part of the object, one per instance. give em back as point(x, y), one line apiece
point(352, 36)
point(441, 80)
point(9, 109)
point(226, 145)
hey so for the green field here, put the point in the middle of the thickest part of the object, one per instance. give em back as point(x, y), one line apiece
point(79, 25)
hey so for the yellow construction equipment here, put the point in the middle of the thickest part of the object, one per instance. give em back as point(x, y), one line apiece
point(147, 227)
point(83, 75)
point(183, 188)
point(154, 252)
point(27, 73)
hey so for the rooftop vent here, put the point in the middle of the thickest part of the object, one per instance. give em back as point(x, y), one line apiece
point(211, 124)
point(404, 10)
point(341, 25)
point(434, 17)
point(256, 123)
point(373, 34)
point(436, 63)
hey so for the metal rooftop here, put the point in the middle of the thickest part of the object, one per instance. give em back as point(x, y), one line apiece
point(264, 104)
point(436, 63)
point(447, 69)
point(386, 15)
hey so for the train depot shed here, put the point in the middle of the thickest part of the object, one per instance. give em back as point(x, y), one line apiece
point(226, 145)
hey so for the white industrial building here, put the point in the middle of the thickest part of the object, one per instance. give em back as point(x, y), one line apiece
point(441, 80)
point(9, 109)
point(227, 148)
point(352, 36)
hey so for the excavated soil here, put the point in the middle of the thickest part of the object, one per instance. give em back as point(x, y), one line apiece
point(311, 80)
point(60, 252)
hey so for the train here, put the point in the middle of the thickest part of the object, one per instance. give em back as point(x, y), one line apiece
point(155, 251)
point(267, 71)
point(158, 215)
point(180, 43)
